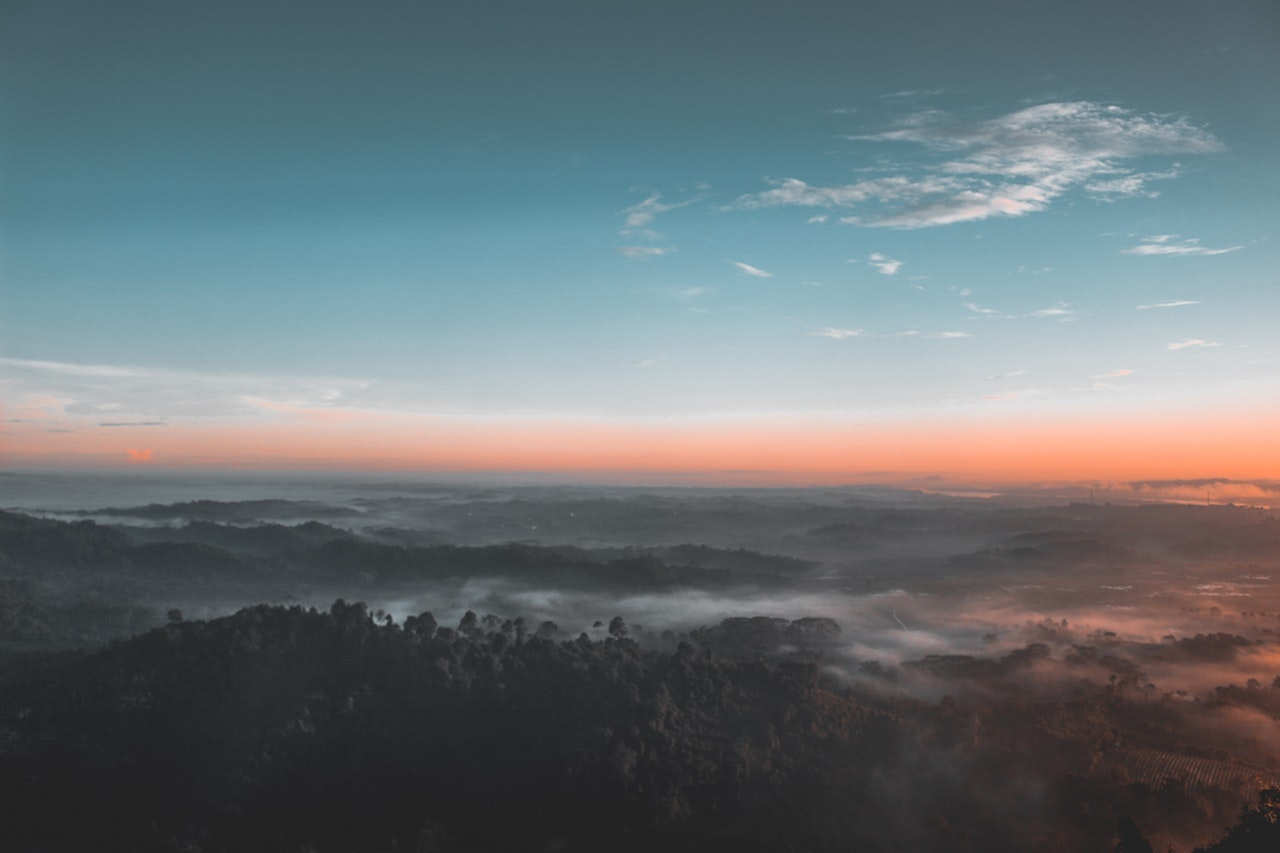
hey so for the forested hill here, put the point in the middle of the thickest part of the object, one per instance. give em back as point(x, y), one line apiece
point(276, 729)
point(295, 730)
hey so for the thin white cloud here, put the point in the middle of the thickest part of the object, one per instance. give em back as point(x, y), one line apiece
point(1113, 374)
point(108, 395)
point(67, 369)
point(1172, 244)
point(1129, 186)
point(641, 215)
point(838, 334)
point(908, 94)
point(1061, 310)
point(641, 253)
point(937, 336)
point(1192, 343)
point(792, 192)
point(686, 293)
point(1178, 304)
point(817, 220)
point(1012, 165)
point(977, 309)
point(1001, 376)
point(750, 270)
point(885, 264)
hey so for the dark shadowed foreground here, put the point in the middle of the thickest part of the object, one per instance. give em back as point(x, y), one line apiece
point(285, 729)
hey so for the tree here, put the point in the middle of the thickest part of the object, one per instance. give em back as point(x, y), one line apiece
point(470, 625)
point(1131, 840)
point(1258, 830)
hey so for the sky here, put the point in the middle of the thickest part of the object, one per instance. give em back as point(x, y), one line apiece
point(795, 242)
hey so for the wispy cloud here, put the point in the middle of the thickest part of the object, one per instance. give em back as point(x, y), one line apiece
point(750, 270)
point(1178, 304)
point(1023, 394)
point(113, 396)
point(792, 192)
point(908, 94)
point(977, 309)
point(1102, 383)
point(67, 369)
point(1192, 343)
point(1060, 310)
point(1011, 165)
point(938, 336)
point(1001, 376)
point(641, 215)
point(641, 253)
point(838, 334)
point(1130, 186)
point(885, 264)
point(1172, 244)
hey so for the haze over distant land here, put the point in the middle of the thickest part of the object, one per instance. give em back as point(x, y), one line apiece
point(819, 243)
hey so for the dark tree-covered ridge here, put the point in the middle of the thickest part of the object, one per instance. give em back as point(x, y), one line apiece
point(276, 728)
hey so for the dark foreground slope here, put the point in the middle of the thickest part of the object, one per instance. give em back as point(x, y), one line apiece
point(294, 730)
point(282, 729)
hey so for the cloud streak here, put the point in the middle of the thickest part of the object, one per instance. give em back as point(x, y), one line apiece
point(842, 334)
point(838, 334)
point(1012, 165)
point(1060, 310)
point(641, 253)
point(1192, 343)
point(1178, 304)
point(750, 270)
point(977, 309)
point(111, 396)
point(1172, 244)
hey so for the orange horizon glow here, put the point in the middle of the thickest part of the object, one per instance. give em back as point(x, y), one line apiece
point(1014, 450)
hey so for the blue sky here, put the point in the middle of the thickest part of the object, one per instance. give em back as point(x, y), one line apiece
point(636, 211)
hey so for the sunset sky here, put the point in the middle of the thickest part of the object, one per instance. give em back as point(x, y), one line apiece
point(711, 239)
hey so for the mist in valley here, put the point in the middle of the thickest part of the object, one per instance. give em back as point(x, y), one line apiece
point(1048, 665)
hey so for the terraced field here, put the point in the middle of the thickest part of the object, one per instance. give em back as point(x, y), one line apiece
point(1154, 768)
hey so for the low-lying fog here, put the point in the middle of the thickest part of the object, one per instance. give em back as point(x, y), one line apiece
point(905, 574)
